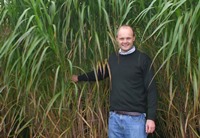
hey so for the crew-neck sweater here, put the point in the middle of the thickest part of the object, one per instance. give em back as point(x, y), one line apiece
point(133, 88)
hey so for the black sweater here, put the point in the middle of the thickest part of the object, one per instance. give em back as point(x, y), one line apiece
point(132, 86)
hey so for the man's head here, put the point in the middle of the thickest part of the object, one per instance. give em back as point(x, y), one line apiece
point(125, 38)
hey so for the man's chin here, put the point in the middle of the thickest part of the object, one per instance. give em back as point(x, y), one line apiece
point(125, 49)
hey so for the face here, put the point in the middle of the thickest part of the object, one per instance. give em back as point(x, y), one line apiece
point(125, 38)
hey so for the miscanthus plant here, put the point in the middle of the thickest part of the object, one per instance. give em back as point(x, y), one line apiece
point(44, 42)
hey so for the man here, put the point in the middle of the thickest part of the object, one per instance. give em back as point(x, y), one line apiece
point(133, 96)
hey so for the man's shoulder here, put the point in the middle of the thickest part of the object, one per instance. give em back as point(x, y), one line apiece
point(142, 54)
point(143, 57)
point(113, 55)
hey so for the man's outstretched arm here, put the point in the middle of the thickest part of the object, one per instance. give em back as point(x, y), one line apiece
point(101, 74)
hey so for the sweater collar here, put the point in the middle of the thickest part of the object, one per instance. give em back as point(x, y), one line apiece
point(127, 52)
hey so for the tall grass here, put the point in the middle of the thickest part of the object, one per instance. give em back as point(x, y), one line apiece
point(42, 43)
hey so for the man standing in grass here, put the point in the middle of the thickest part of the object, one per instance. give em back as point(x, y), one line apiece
point(133, 96)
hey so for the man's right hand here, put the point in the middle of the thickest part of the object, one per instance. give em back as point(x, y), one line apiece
point(74, 78)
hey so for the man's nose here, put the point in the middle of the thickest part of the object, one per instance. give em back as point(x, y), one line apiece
point(125, 40)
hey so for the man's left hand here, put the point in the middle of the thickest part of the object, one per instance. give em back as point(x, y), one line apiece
point(150, 126)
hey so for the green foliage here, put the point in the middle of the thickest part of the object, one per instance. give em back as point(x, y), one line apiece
point(42, 43)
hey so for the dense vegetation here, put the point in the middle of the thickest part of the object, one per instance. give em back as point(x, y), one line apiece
point(44, 42)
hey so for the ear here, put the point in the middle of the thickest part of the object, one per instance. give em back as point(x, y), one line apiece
point(133, 38)
point(117, 39)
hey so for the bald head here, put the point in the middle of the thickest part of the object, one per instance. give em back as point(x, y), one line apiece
point(125, 27)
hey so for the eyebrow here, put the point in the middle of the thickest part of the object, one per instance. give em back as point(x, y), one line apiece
point(125, 37)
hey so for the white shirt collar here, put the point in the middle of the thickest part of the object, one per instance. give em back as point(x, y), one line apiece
point(127, 52)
